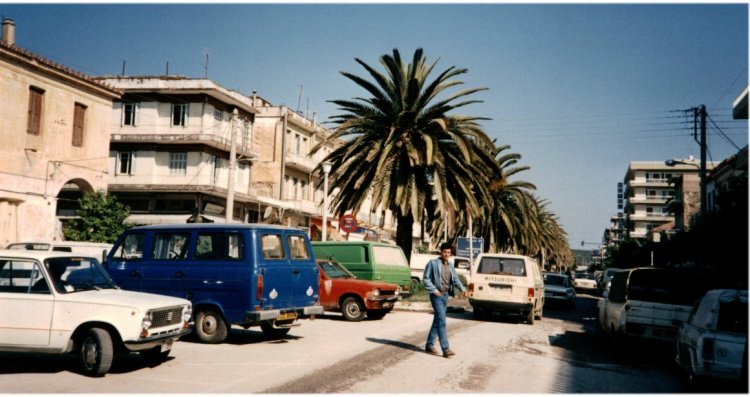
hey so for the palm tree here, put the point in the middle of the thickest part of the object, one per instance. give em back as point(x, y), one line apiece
point(404, 150)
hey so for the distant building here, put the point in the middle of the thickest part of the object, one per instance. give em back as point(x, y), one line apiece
point(650, 187)
point(55, 141)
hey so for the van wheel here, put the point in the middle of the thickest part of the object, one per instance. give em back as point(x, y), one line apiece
point(530, 317)
point(96, 352)
point(210, 326)
point(352, 309)
point(273, 332)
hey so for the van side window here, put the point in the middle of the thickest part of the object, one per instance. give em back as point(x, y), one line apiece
point(218, 245)
point(298, 247)
point(271, 246)
point(171, 246)
point(131, 247)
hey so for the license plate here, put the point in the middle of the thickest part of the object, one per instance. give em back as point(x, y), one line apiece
point(286, 316)
point(387, 305)
point(501, 288)
point(166, 346)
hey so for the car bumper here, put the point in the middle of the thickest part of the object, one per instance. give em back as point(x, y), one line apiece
point(151, 342)
point(513, 307)
point(266, 315)
point(380, 302)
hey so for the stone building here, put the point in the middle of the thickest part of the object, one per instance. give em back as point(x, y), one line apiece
point(54, 129)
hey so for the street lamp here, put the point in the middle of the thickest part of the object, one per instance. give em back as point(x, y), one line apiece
point(326, 169)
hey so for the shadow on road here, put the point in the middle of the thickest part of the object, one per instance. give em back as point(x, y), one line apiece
point(396, 343)
point(37, 363)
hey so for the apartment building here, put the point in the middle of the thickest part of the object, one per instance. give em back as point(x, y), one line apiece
point(170, 148)
point(55, 138)
point(649, 187)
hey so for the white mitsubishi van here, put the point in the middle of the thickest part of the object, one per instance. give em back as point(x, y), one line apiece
point(508, 284)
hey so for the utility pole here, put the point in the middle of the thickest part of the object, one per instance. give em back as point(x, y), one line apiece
point(229, 211)
point(704, 202)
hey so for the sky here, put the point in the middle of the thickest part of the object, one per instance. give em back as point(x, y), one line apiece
point(578, 90)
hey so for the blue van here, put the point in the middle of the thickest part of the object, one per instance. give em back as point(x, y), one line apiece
point(242, 274)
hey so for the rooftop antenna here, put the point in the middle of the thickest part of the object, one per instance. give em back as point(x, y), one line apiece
point(300, 97)
point(167, 68)
point(205, 66)
point(123, 68)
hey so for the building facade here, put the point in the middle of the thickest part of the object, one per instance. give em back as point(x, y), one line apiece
point(649, 190)
point(55, 126)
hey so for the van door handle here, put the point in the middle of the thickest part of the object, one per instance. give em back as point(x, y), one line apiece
point(296, 271)
point(135, 273)
point(179, 274)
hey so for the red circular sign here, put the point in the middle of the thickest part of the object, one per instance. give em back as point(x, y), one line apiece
point(348, 223)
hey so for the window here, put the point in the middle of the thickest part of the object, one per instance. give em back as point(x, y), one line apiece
point(298, 247)
point(124, 163)
point(35, 110)
point(177, 163)
point(216, 163)
point(508, 266)
point(19, 275)
point(271, 245)
point(170, 246)
point(179, 114)
point(218, 117)
point(131, 247)
point(79, 115)
point(128, 113)
point(218, 245)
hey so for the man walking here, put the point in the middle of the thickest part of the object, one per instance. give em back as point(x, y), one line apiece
point(439, 278)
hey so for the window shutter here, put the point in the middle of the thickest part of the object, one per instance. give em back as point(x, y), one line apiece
point(78, 118)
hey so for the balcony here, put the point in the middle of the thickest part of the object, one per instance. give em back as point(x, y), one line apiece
point(300, 162)
point(211, 140)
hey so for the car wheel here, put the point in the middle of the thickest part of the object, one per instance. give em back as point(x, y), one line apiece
point(530, 317)
point(376, 314)
point(154, 355)
point(352, 309)
point(96, 352)
point(273, 332)
point(210, 326)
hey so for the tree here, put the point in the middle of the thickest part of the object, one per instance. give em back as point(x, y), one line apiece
point(405, 151)
point(101, 219)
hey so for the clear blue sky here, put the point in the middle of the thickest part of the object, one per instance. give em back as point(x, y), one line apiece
point(578, 90)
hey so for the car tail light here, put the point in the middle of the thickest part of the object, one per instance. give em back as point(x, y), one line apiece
point(259, 295)
point(531, 292)
point(471, 288)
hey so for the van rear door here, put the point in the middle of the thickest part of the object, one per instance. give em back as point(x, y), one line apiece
point(290, 275)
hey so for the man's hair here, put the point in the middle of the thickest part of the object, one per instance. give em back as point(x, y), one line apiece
point(446, 246)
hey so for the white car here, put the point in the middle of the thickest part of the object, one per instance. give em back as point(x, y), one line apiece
point(712, 343)
point(585, 282)
point(58, 303)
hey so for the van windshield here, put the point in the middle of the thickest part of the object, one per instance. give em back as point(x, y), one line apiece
point(505, 266)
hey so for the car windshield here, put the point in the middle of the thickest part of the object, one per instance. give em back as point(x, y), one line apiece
point(550, 279)
point(73, 274)
point(334, 270)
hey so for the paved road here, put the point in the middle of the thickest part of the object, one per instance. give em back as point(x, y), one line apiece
point(560, 354)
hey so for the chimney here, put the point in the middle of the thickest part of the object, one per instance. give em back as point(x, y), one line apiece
point(9, 32)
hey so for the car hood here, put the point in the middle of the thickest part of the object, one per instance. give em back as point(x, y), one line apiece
point(119, 297)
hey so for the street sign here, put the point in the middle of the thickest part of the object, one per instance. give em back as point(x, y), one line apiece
point(462, 248)
point(348, 223)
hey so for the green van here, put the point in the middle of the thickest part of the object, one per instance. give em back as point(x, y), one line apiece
point(369, 260)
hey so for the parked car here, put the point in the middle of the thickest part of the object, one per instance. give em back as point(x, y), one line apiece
point(369, 260)
point(647, 303)
point(97, 250)
point(605, 278)
point(243, 274)
point(558, 289)
point(341, 291)
point(585, 282)
point(68, 304)
point(508, 284)
point(712, 343)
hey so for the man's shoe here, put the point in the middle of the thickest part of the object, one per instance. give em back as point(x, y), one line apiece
point(448, 353)
point(431, 350)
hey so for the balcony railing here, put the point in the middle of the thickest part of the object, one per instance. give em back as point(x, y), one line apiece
point(212, 140)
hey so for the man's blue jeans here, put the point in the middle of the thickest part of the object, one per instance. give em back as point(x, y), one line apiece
point(438, 329)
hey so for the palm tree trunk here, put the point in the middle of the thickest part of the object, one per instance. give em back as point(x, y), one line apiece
point(403, 233)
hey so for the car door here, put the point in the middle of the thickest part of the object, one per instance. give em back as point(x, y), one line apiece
point(26, 316)
point(125, 260)
point(166, 271)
